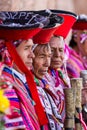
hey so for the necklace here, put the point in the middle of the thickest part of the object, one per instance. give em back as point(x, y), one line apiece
point(58, 74)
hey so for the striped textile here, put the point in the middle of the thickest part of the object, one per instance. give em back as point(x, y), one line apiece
point(48, 99)
point(22, 110)
point(74, 64)
point(60, 84)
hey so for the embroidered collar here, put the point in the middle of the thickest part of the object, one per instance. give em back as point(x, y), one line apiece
point(21, 76)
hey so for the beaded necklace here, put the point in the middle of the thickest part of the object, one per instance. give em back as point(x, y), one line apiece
point(61, 75)
point(46, 86)
point(58, 74)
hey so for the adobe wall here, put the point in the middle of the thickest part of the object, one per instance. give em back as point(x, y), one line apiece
point(78, 6)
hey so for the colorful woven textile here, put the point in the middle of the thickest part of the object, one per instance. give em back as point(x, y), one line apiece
point(75, 64)
point(49, 100)
point(22, 108)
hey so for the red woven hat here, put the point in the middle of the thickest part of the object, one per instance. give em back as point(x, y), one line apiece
point(69, 19)
point(81, 23)
point(46, 33)
point(23, 25)
point(20, 25)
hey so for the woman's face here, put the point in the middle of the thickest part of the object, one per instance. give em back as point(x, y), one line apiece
point(82, 46)
point(42, 59)
point(25, 52)
point(57, 49)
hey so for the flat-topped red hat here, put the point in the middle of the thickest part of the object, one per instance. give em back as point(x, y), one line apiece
point(23, 25)
point(69, 19)
point(81, 23)
point(20, 24)
point(43, 37)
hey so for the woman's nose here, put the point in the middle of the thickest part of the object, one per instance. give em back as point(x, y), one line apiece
point(31, 54)
point(47, 62)
point(57, 53)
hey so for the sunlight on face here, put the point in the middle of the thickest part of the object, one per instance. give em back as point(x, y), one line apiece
point(57, 48)
point(41, 60)
point(82, 46)
point(25, 52)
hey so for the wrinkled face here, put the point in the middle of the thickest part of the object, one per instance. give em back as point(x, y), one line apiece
point(42, 60)
point(82, 46)
point(25, 52)
point(57, 48)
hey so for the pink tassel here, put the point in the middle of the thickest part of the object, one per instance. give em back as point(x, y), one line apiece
point(83, 123)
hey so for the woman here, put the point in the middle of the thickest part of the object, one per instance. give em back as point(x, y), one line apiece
point(58, 61)
point(45, 83)
point(58, 71)
point(16, 48)
point(77, 60)
point(45, 86)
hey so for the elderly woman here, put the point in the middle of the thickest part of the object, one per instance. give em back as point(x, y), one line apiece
point(45, 85)
point(58, 61)
point(57, 70)
point(44, 81)
point(58, 64)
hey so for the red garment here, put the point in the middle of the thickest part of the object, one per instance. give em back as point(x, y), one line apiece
point(22, 110)
point(74, 64)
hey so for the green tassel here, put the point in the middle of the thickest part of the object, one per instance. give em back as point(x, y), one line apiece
point(37, 81)
point(60, 73)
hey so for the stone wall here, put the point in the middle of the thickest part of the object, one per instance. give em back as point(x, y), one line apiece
point(78, 6)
